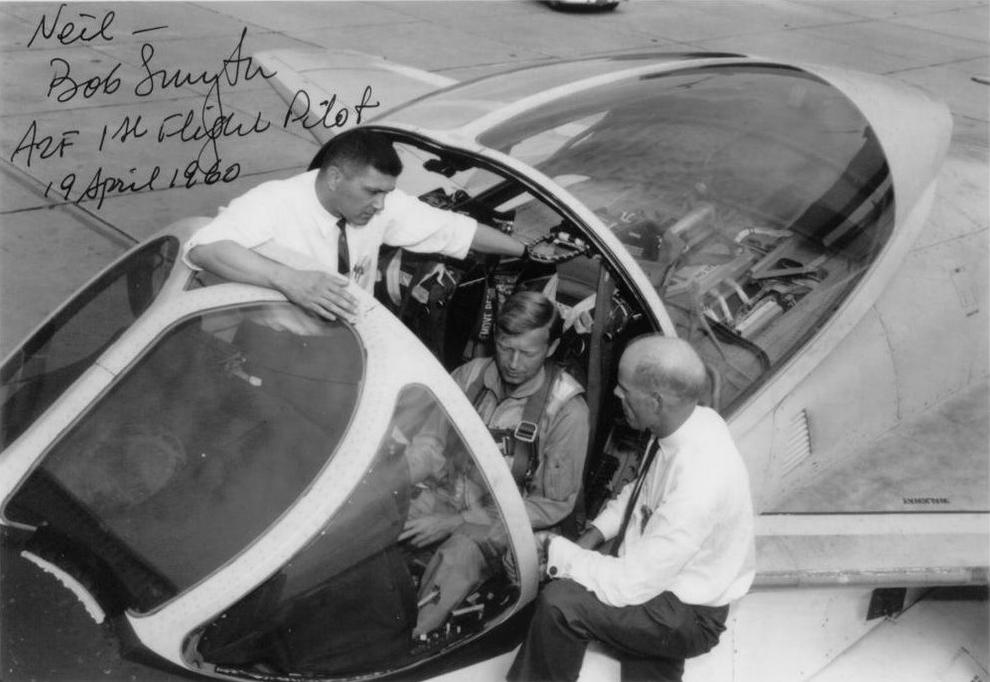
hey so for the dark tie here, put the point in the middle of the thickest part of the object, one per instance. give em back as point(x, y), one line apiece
point(343, 254)
point(637, 486)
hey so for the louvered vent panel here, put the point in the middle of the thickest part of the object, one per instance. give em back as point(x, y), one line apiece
point(798, 443)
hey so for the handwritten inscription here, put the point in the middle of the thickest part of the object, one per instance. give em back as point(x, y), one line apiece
point(46, 145)
point(211, 126)
point(329, 109)
point(68, 32)
point(231, 71)
point(66, 87)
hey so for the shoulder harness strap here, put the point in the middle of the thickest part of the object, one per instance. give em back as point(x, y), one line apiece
point(558, 388)
point(475, 388)
point(526, 438)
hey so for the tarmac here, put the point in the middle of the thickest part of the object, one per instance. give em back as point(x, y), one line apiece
point(71, 103)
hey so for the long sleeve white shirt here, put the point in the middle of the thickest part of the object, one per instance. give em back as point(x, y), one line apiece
point(691, 531)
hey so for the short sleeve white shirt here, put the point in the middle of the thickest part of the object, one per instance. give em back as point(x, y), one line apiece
point(286, 216)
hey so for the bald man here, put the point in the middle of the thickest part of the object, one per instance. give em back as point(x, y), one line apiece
point(683, 532)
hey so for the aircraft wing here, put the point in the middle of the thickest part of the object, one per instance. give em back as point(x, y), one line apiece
point(911, 509)
point(332, 90)
point(885, 550)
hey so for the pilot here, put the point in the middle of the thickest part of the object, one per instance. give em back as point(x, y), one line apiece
point(683, 536)
point(309, 235)
point(537, 414)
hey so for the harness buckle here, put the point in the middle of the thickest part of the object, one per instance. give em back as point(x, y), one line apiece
point(526, 432)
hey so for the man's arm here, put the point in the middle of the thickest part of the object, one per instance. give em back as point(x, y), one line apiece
point(424, 531)
point(590, 539)
point(425, 450)
point(425, 453)
point(489, 240)
point(416, 226)
point(321, 293)
point(669, 539)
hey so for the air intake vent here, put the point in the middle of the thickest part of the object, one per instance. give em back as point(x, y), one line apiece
point(797, 446)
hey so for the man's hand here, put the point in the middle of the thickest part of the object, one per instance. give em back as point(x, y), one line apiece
point(427, 530)
point(556, 247)
point(542, 252)
point(321, 293)
point(543, 539)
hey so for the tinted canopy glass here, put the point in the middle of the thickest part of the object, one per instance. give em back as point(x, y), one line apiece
point(68, 344)
point(194, 452)
point(752, 197)
point(461, 104)
point(386, 584)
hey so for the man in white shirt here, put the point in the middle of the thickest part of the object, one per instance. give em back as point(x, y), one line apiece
point(684, 532)
point(309, 235)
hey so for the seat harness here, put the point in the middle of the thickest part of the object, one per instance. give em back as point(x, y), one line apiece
point(522, 443)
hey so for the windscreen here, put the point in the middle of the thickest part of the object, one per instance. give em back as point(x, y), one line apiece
point(415, 561)
point(204, 442)
point(66, 346)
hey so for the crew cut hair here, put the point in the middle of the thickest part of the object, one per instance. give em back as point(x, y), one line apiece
point(357, 149)
point(528, 310)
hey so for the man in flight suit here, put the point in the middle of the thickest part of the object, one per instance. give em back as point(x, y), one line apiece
point(538, 417)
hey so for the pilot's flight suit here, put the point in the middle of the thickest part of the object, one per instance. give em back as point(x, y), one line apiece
point(549, 486)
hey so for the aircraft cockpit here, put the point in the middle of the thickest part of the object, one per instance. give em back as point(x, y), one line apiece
point(228, 455)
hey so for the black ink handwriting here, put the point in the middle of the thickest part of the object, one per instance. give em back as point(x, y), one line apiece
point(67, 35)
point(222, 125)
point(46, 146)
point(101, 184)
point(301, 102)
point(208, 122)
point(147, 30)
point(125, 131)
point(365, 103)
point(69, 86)
point(231, 69)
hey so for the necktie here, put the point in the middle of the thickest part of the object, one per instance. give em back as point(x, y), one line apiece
point(343, 254)
point(647, 463)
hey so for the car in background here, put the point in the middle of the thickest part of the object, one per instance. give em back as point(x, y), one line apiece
point(604, 5)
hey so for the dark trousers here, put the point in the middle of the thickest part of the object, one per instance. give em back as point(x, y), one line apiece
point(651, 640)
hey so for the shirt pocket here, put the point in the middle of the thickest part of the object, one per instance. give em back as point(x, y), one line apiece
point(558, 479)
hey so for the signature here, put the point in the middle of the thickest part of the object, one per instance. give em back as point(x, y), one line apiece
point(211, 126)
point(231, 70)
